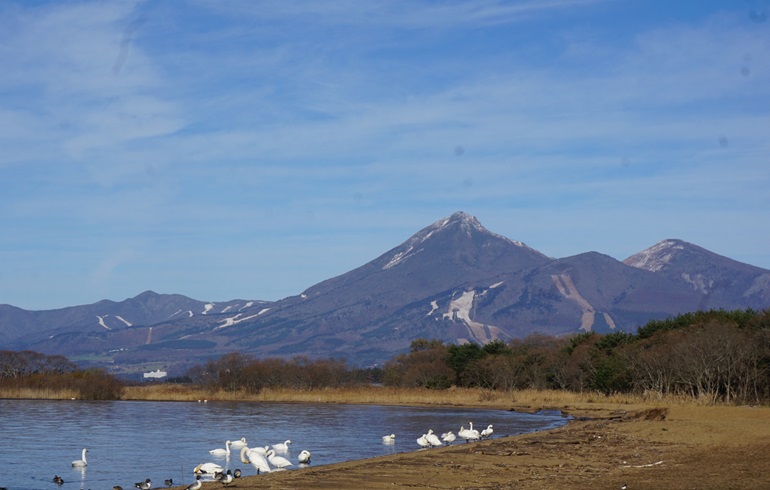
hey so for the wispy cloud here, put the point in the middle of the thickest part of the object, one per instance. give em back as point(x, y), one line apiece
point(228, 136)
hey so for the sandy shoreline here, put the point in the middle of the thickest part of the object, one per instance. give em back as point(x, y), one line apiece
point(648, 447)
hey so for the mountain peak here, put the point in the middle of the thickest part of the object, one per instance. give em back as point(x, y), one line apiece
point(658, 256)
point(464, 220)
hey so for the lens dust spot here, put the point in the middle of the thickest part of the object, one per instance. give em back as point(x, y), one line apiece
point(745, 71)
point(459, 151)
point(468, 183)
point(758, 15)
point(723, 142)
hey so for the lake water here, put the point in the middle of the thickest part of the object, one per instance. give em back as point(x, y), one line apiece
point(130, 441)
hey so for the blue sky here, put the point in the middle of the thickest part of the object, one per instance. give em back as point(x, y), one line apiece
point(250, 149)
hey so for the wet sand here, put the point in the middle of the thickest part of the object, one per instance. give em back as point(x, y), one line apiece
point(605, 447)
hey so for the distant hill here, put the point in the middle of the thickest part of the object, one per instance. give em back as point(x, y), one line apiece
point(453, 280)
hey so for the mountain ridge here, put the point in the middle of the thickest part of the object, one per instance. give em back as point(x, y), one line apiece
point(453, 280)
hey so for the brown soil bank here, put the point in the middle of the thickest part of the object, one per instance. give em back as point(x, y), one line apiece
point(666, 447)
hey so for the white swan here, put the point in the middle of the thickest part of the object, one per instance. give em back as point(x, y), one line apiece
point(238, 444)
point(468, 434)
point(432, 438)
point(222, 452)
point(423, 441)
point(261, 450)
point(304, 457)
point(448, 437)
point(208, 468)
point(389, 439)
point(82, 461)
point(196, 485)
point(278, 461)
point(255, 459)
point(282, 447)
point(487, 433)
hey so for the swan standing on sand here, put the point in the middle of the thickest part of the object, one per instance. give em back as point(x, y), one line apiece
point(82, 461)
point(487, 433)
point(448, 437)
point(389, 439)
point(222, 452)
point(304, 457)
point(255, 459)
point(282, 447)
point(278, 461)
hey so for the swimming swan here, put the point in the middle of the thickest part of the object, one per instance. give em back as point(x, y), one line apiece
point(304, 457)
point(283, 447)
point(208, 468)
point(389, 439)
point(255, 459)
point(82, 461)
point(278, 461)
point(222, 452)
point(238, 444)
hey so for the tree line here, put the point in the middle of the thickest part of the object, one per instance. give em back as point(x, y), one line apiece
point(714, 356)
point(35, 371)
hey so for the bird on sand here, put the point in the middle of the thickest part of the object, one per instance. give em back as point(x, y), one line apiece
point(196, 485)
point(143, 485)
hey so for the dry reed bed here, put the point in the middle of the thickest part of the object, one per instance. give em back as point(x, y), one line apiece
point(468, 397)
point(38, 394)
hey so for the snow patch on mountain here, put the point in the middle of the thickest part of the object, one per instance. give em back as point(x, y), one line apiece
point(698, 282)
point(398, 258)
point(656, 257)
point(460, 309)
point(246, 306)
point(234, 320)
point(101, 321)
point(208, 307)
point(128, 324)
point(433, 308)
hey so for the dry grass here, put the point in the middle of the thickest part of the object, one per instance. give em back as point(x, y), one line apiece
point(467, 397)
point(38, 394)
